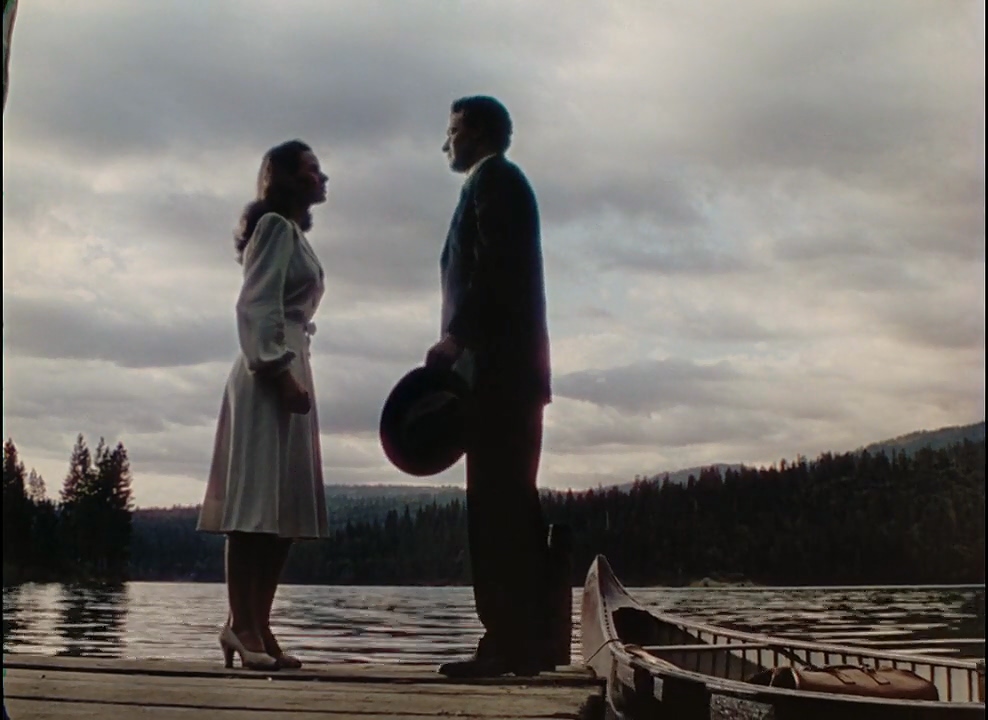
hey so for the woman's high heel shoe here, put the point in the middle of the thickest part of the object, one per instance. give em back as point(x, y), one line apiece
point(251, 660)
point(288, 662)
point(271, 647)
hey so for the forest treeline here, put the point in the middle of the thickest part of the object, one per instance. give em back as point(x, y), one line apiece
point(853, 518)
point(86, 533)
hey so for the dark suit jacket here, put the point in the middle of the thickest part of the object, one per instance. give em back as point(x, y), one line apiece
point(493, 287)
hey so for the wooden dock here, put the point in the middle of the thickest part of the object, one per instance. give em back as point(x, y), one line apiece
point(37, 687)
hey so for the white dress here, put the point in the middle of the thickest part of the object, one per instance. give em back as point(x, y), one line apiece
point(266, 472)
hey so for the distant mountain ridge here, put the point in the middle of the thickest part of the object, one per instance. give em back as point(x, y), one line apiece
point(425, 494)
point(372, 502)
point(933, 439)
point(369, 492)
point(908, 443)
point(417, 495)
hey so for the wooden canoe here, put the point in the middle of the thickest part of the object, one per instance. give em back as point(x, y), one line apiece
point(662, 666)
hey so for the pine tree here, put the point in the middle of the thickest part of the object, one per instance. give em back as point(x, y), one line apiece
point(76, 490)
point(16, 510)
point(36, 489)
point(77, 481)
point(13, 472)
point(114, 496)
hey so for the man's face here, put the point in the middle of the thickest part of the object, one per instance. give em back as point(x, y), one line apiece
point(462, 144)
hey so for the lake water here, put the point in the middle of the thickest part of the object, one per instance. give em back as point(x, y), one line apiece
point(430, 625)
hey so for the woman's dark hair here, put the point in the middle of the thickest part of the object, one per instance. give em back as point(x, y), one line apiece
point(489, 116)
point(276, 191)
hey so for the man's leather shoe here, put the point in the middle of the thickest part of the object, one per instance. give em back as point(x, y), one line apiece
point(488, 667)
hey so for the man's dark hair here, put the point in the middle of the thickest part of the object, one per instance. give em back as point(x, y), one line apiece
point(489, 116)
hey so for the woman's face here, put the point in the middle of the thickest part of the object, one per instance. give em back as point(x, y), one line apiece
point(312, 180)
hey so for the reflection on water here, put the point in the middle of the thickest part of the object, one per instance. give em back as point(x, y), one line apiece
point(69, 620)
point(91, 620)
point(430, 625)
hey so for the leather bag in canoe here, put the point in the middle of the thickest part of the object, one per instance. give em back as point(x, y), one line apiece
point(882, 682)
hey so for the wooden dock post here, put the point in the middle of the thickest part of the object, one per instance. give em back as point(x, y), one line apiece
point(560, 593)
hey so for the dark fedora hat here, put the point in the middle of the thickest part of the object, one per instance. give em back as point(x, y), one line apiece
point(424, 420)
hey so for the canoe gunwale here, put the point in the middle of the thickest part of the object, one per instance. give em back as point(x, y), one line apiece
point(832, 649)
point(642, 675)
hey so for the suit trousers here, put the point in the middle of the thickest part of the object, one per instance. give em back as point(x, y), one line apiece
point(507, 529)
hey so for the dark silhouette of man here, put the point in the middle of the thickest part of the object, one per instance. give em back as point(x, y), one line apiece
point(494, 320)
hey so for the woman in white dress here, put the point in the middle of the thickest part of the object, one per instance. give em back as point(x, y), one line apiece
point(265, 485)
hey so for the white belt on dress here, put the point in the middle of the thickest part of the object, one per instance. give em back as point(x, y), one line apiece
point(309, 328)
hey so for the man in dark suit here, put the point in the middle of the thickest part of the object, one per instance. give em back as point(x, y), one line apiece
point(494, 314)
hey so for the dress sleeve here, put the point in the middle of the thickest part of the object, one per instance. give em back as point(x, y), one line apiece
point(261, 305)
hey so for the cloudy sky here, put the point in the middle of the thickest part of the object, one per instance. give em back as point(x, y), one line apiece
point(763, 222)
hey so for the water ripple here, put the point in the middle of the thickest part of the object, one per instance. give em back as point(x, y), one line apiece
point(429, 625)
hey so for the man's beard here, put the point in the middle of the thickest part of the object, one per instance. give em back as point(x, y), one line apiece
point(458, 164)
point(463, 160)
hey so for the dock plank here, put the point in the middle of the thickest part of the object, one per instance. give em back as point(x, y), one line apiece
point(50, 687)
point(355, 672)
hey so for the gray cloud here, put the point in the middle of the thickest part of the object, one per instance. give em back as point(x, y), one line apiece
point(350, 403)
point(687, 261)
point(647, 386)
point(128, 338)
point(97, 398)
point(319, 72)
point(676, 403)
point(723, 326)
point(787, 204)
point(87, 331)
point(940, 323)
point(677, 428)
